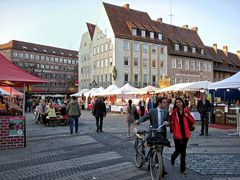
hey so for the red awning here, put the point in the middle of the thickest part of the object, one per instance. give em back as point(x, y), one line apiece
point(12, 75)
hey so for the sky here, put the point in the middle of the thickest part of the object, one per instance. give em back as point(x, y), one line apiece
point(61, 23)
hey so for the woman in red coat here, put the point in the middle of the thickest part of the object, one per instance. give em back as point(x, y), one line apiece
point(180, 117)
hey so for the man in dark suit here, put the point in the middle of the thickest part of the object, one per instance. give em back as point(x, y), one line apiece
point(157, 117)
point(99, 111)
point(203, 107)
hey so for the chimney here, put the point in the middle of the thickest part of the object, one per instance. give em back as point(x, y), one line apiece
point(225, 50)
point(185, 26)
point(159, 20)
point(215, 47)
point(238, 53)
point(195, 29)
point(126, 6)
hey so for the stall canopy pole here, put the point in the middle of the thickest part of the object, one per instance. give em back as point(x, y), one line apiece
point(24, 99)
point(11, 96)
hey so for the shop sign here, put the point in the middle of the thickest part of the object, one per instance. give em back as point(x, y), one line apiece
point(16, 127)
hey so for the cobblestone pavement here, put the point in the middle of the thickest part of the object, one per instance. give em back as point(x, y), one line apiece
point(52, 153)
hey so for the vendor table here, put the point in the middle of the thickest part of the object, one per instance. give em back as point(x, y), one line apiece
point(238, 121)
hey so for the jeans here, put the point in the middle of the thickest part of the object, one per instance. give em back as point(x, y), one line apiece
point(99, 127)
point(75, 120)
point(204, 123)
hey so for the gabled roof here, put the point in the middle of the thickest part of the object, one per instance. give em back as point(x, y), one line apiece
point(91, 28)
point(12, 75)
point(37, 48)
point(122, 19)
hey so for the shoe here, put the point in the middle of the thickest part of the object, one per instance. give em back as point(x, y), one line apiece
point(97, 130)
point(101, 130)
point(71, 132)
point(184, 172)
point(164, 173)
point(172, 161)
point(201, 134)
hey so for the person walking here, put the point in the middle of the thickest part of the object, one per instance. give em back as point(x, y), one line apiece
point(73, 112)
point(180, 118)
point(141, 106)
point(204, 107)
point(131, 108)
point(99, 111)
point(157, 117)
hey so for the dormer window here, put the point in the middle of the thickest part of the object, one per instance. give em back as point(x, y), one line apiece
point(193, 50)
point(185, 48)
point(45, 50)
point(176, 47)
point(202, 51)
point(151, 35)
point(160, 37)
point(143, 33)
point(134, 31)
point(24, 47)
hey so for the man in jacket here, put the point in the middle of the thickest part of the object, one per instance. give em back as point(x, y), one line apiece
point(157, 117)
point(74, 112)
point(99, 111)
point(203, 107)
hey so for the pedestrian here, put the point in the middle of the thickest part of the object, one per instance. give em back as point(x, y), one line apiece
point(99, 111)
point(204, 107)
point(131, 109)
point(180, 117)
point(141, 106)
point(74, 112)
point(42, 111)
point(157, 117)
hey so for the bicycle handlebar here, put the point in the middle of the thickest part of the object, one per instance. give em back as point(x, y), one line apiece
point(150, 127)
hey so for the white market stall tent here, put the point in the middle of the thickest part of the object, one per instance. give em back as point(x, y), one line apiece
point(175, 87)
point(98, 90)
point(124, 89)
point(80, 93)
point(145, 90)
point(228, 83)
point(107, 91)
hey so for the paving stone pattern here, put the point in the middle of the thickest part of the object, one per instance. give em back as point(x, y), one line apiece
point(52, 153)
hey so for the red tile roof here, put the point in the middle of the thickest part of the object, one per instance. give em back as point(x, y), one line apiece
point(123, 19)
point(91, 28)
point(37, 48)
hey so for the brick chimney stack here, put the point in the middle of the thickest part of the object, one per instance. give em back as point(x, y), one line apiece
point(126, 6)
point(225, 50)
point(185, 26)
point(195, 29)
point(159, 20)
point(215, 47)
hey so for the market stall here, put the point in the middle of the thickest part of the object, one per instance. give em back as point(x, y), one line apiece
point(12, 121)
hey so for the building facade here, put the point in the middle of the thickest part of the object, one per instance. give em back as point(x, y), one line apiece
point(225, 64)
point(58, 66)
point(126, 45)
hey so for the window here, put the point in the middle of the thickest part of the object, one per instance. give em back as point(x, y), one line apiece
point(209, 67)
point(126, 60)
point(106, 77)
point(185, 64)
point(186, 80)
point(154, 80)
point(179, 64)
point(160, 36)
point(192, 65)
point(134, 31)
point(143, 33)
point(136, 46)
point(136, 61)
point(106, 62)
point(151, 35)
point(125, 77)
point(47, 66)
point(174, 63)
point(193, 50)
point(65, 61)
point(52, 59)
point(98, 49)
point(204, 66)
point(176, 47)
point(69, 61)
point(98, 64)
point(198, 65)
point(56, 59)
point(145, 63)
point(47, 58)
point(110, 61)
point(106, 46)
point(173, 81)
point(136, 78)
point(94, 51)
point(145, 47)
point(202, 51)
point(161, 64)
point(21, 55)
point(37, 57)
point(145, 80)
point(153, 63)
point(126, 45)
point(185, 48)
point(15, 54)
point(154, 48)
point(102, 48)
point(61, 60)
point(26, 56)
point(101, 63)
point(42, 58)
point(179, 80)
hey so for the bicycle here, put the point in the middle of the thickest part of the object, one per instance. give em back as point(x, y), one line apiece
point(148, 148)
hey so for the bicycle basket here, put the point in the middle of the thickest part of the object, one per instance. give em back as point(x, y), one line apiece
point(158, 141)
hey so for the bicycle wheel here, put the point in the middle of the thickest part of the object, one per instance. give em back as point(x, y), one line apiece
point(156, 165)
point(138, 155)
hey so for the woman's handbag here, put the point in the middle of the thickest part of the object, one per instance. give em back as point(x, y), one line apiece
point(136, 115)
point(191, 126)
